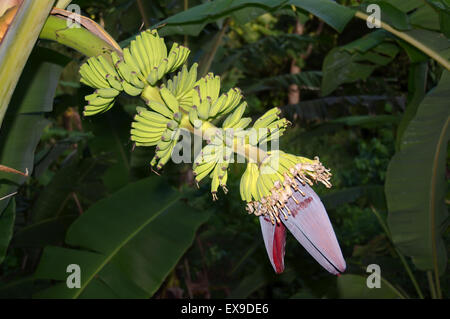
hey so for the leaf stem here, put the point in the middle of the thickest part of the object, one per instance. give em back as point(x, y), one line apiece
point(402, 35)
point(431, 284)
point(400, 255)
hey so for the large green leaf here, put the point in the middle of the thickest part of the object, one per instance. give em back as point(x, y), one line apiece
point(415, 182)
point(25, 119)
point(330, 12)
point(50, 215)
point(416, 92)
point(355, 287)
point(129, 242)
point(192, 21)
point(389, 14)
point(356, 61)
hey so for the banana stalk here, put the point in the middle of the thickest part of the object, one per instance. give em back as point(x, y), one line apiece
point(17, 45)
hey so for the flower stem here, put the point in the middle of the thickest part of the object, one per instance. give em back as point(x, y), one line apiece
point(250, 152)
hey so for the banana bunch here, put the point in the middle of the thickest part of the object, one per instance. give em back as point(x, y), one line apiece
point(182, 86)
point(248, 186)
point(207, 104)
point(213, 161)
point(99, 73)
point(131, 82)
point(160, 126)
point(143, 63)
point(268, 127)
point(148, 57)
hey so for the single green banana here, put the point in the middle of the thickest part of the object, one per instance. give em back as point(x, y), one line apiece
point(160, 108)
point(130, 61)
point(130, 89)
point(138, 60)
point(162, 68)
point(114, 82)
point(243, 123)
point(107, 92)
point(155, 117)
point(234, 117)
point(99, 101)
point(203, 109)
point(170, 100)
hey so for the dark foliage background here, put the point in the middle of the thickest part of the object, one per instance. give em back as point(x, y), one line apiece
point(354, 128)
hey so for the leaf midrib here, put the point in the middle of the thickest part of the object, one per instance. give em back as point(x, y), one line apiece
point(433, 198)
point(120, 246)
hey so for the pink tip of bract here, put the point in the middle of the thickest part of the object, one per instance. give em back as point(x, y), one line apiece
point(275, 241)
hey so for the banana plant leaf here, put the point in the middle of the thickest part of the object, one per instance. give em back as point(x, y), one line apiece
point(128, 243)
point(25, 121)
point(355, 287)
point(415, 182)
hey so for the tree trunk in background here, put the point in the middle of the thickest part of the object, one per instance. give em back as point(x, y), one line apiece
point(294, 90)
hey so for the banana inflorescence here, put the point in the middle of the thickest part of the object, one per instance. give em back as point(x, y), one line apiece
point(267, 188)
point(184, 101)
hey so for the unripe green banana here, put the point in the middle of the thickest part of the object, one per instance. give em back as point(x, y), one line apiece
point(107, 92)
point(172, 125)
point(202, 171)
point(168, 135)
point(152, 116)
point(135, 55)
point(163, 160)
point(92, 110)
point(267, 118)
point(130, 89)
point(124, 70)
point(234, 96)
point(162, 68)
point(194, 119)
point(203, 109)
point(218, 105)
point(97, 68)
point(91, 76)
point(234, 117)
point(136, 81)
point(152, 77)
point(130, 61)
point(163, 145)
point(144, 139)
point(169, 99)
point(114, 82)
point(98, 101)
point(140, 46)
point(243, 123)
point(160, 108)
point(215, 181)
point(107, 66)
point(147, 128)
